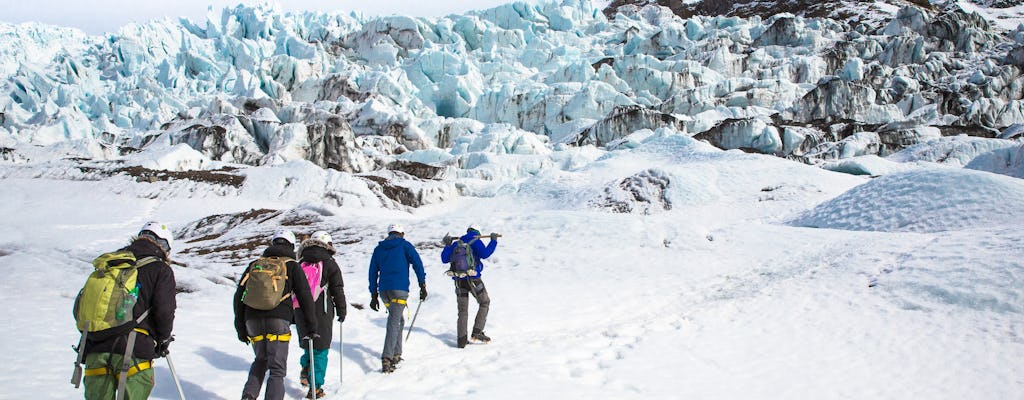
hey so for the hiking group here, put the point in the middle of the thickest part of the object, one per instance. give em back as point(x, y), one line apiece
point(125, 311)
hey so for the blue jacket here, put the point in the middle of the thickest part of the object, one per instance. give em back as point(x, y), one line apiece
point(389, 265)
point(479, 251)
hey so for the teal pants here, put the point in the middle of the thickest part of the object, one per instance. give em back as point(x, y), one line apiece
point(319, 362)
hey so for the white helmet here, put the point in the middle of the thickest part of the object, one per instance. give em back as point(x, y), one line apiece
point(322, 236)
point(284, 234)
point(160, 230)
point(396, 228)
point(473, 227)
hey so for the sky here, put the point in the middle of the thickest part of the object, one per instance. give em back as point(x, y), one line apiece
point(106, 16)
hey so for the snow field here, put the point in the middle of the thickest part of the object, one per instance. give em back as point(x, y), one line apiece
point(713, 298)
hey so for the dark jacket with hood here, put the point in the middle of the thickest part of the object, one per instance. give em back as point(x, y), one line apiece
point(296, 280)
point(332, 298)
point(156, 293)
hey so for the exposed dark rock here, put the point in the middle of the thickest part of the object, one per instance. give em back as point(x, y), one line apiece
point(643, 193)
point(8, 154)
point(220, 137)
point(398, 189)
point(782, 32)
point(419, 170)
point(223, 176)
point(609, 61)
point(624, 120)
point(749, 8)
point(336, 86)
point(332, 144)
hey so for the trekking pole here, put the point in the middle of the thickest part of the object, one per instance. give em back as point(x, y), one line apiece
point(341, 353)
point(76, 377)
point(174, 375)
point(413, 321)
point(312, 369)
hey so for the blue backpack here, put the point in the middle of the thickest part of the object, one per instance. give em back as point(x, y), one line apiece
point(463, 263)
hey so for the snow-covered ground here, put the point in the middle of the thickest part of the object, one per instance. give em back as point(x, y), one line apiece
point(716, 286)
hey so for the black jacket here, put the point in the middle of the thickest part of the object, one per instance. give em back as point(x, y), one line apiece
point(334, 292)
point(156, 293)
point(296, 279)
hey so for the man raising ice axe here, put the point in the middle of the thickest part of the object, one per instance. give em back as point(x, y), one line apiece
point(464, 254)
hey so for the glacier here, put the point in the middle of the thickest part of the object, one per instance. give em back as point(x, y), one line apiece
point(258, 86)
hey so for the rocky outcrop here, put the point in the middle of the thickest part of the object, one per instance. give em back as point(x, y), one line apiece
point(624, 120)
point(642, 193)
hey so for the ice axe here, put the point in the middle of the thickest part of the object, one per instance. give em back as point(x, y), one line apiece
point(177, 383)
point(448, 239)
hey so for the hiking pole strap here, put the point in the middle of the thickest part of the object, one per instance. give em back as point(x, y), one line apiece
point(76, 377)
point(413, 321)
point(177, 383)
point(126, 364)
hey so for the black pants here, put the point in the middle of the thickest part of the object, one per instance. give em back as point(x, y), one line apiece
point(271, 355)
point(475, 287)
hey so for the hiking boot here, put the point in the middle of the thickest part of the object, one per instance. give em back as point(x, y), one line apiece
point(480, 337)
point(462, 342)
point(304, 376)
point(397, 360)
point(387, 366)
point(319, 393)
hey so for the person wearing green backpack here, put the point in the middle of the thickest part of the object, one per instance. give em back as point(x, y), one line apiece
point(263, 314)
point(122, 335)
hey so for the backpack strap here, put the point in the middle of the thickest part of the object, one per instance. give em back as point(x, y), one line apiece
point(146, 260)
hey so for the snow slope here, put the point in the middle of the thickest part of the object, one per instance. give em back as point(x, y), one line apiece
point(701, 291)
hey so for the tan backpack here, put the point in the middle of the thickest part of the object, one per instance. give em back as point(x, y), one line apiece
point(264, 283)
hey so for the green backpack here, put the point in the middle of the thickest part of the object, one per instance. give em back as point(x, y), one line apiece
point(264, 283)
point(108, 298)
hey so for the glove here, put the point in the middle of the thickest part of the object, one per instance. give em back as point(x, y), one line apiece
point(243, 338)
point(341, 315)
point(494, 236)
point(448, 240)
point(423, 291)
point(374, 305)
point(162, 349)
point(310, 336)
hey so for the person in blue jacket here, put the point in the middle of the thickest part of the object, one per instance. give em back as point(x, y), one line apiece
point(471, 284)
point(389, 277)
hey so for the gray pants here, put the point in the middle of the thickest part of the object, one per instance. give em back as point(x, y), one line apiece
point(271, 355)
point(395, 301)
point(475, 287)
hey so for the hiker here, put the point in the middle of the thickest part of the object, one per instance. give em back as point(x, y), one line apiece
point(263, 314)
point(328, 290)
point(389, 277)
point(146, 335)
point(469, 282)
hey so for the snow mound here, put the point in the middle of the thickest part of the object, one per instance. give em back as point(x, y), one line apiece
point(923, 201)
point(867, 165)
point(954, 150)
point(1008, 161)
